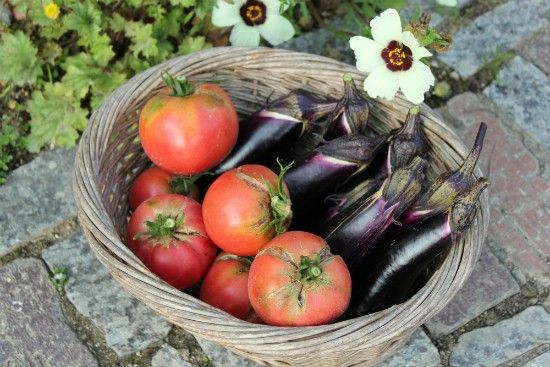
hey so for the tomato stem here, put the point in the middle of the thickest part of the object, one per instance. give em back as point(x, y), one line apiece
point(310, 267)
point(280, 202)
point(179, 85)
point(184, 184)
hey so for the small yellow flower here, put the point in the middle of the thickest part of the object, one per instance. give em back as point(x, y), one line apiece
point(51, 10)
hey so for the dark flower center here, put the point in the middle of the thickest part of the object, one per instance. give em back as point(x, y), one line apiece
point(397, 56)
point(253, 12)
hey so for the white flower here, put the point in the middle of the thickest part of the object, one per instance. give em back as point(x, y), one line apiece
point(252, 18)
point(447, 2)
point(392, 60)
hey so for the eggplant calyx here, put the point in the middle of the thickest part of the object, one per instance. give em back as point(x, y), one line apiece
point(465, 207)
point(179, 86)
point(166, 228)
point(407, 142)
point(404, 185)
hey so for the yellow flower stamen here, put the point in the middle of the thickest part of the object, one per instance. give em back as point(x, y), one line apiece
point(51, 10)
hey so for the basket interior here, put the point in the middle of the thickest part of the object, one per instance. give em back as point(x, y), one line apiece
point(110, 157)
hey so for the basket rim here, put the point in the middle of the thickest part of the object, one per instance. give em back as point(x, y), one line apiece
point(100, 231)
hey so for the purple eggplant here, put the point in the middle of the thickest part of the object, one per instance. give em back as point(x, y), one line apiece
point(440, 196)
point(331, 163)
point(403, 145)
point(277, 125)
point(354, 232)
point(351, 114)
point(387, 277)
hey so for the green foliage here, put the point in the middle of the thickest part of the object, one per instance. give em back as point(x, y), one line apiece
point(56, 117)
point(58, 278)
point(9, 139)
point(74, 60)
point(358, 13)
point(19, 63)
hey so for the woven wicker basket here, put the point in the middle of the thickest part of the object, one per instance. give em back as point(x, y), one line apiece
point(109, 157)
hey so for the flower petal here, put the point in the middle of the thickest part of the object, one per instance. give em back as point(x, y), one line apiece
point(386, 27)
point(418, 52)
point(367, 53)
point(243, 35)
point(226, 14)
point(382, 82)
point(416, 81)
point(276, 29)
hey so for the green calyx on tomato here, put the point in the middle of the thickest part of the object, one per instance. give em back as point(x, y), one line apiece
point(183, 185)
point(310, 267)
point(179, 85)
point(166, 228)
point(280, 202)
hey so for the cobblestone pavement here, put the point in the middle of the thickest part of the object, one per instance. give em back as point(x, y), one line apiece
point(500, 316)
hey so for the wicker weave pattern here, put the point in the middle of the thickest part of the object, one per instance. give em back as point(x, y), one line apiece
point(109, 157)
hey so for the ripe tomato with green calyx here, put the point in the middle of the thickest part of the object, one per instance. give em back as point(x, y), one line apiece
point(246, 207)
point(295, 281)
point(155, 181)
point(225, 286)
point(167, 234)
point(187, 129)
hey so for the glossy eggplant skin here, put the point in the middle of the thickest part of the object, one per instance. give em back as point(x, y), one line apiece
point(387, 280)
point(258, 135)
point(314, 177)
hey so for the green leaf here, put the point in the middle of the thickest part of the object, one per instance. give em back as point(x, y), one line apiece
point(184, 3)
point(19, 62)
point(56, 117)
point(117, 23)
point(85, 19)
point(143, 42)
point(204, 8)
point(430, 37)
point(169, 24)
point(193, 44)
point(101, 50)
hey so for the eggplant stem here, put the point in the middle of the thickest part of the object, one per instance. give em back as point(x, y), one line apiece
point(470, 162)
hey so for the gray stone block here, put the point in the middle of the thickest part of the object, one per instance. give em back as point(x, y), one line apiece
point(167, 356)
point(32, 326)
point(129, 325)
point(221, 357)
point(418, 352)
point(506, 340)
point(5, 15)
point(489, 284)
point(541, 361)
point(523, 90)
point(500, 29)
point(37, 197)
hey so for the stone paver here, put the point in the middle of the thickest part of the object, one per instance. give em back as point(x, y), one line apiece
point(168, 356)
point(519, 196)
point(37, 197)
point(129, 325)
point(500, 29)
point(221, 357)
point(419, 351)
point(537, 50)
point(508, 339)
point(541, 361)
point(5, 15)
point(32, 326)
point(489, 284)
point(322, 42)
point(431, 7)
point(523, 90)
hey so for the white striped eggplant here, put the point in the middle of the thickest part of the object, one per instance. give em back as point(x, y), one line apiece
point(440, 196)
point(387, 277)
point(278, 124)
point(351, 113)
point(331, 163)
point(354, 232)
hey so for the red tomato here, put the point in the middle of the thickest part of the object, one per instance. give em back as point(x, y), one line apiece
point(191, 132)
point(167, 234)
point(226, 285)
point(295, 281)
point(154, 181)
point(246, 207)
